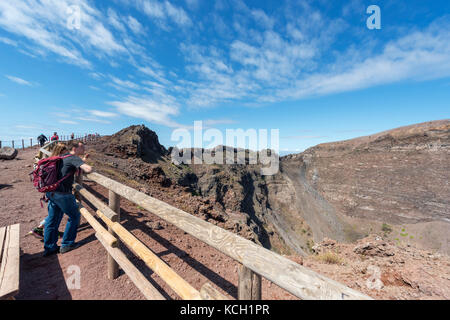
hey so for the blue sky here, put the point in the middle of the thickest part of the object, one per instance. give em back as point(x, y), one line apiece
point(311, 69)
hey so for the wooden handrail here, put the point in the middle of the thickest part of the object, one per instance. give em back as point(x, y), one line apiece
point(108, 238)
point(96, 202)
point(296, 279)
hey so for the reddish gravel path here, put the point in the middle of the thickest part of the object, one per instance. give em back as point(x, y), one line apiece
point(45, 278)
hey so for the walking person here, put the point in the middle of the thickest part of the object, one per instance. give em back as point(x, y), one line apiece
point(55, 137)
point(72, 136)
point(41, 139)
point(63, 201)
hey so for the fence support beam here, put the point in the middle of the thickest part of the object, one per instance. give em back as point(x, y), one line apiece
point(249, 287)
point(178, 284)
point(146, 288)
point(114, 205)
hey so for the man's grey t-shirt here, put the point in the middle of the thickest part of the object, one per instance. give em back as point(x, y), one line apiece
point(69, 166)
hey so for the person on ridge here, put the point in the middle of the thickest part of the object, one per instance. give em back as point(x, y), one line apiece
point(41, 139)
point(54, 137)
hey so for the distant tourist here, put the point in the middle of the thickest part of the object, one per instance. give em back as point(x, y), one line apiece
point(72, 136)
point(54, 137)
point(63, 201)
point(41, 139)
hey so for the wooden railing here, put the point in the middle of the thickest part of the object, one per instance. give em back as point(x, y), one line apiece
point(256, 261)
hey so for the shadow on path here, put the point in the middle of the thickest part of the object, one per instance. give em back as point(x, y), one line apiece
point(41, 278)
point(129, 222)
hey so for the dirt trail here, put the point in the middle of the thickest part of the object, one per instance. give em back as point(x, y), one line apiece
point(45, 278)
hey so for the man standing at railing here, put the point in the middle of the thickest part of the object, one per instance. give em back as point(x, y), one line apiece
point(63, 201)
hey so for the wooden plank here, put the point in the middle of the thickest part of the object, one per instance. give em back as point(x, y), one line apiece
point(10, 265)
point(108, 238)
point(296, 279)
point(208, 292)
point(177, 283)
point(114, 204)
point(249, 284)
point(96, 202)
point(2, 241)
point(144, 286)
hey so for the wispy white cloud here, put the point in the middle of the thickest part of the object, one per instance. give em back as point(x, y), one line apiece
point(213, 122)
point(45, 24)
point(164, 12)
point(93, 119)
point(67, 122)
point(114, 20)
point(96, 75)
point(8, 41)
point(134, 25)
point(259, 57)
point(24, 126)
point(147, 108)
point(274, 68)
point(103, 114)
point(123, 84)
point(19, 80)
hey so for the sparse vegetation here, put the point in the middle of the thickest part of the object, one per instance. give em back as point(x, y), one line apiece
point(386, 228)
point(330, 258)
point(310, 244)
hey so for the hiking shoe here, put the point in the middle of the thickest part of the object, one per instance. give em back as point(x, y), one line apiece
point(68, 248)
point(37, 233)
point(49, 253)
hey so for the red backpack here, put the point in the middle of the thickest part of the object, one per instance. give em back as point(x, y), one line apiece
point(45, 176)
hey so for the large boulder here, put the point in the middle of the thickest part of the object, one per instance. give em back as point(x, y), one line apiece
point(8, 153)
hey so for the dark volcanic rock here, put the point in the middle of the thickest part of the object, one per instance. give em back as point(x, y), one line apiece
point(8, 153)
point(135, 141)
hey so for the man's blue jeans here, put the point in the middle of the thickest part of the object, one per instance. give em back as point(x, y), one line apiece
point(58, 204)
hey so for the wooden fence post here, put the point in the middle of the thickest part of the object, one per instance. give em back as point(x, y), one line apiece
point(0, 143)
point(13, 144)
point(23, 145)
point(249, 286)
point(31, 142)
point(114, 204)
